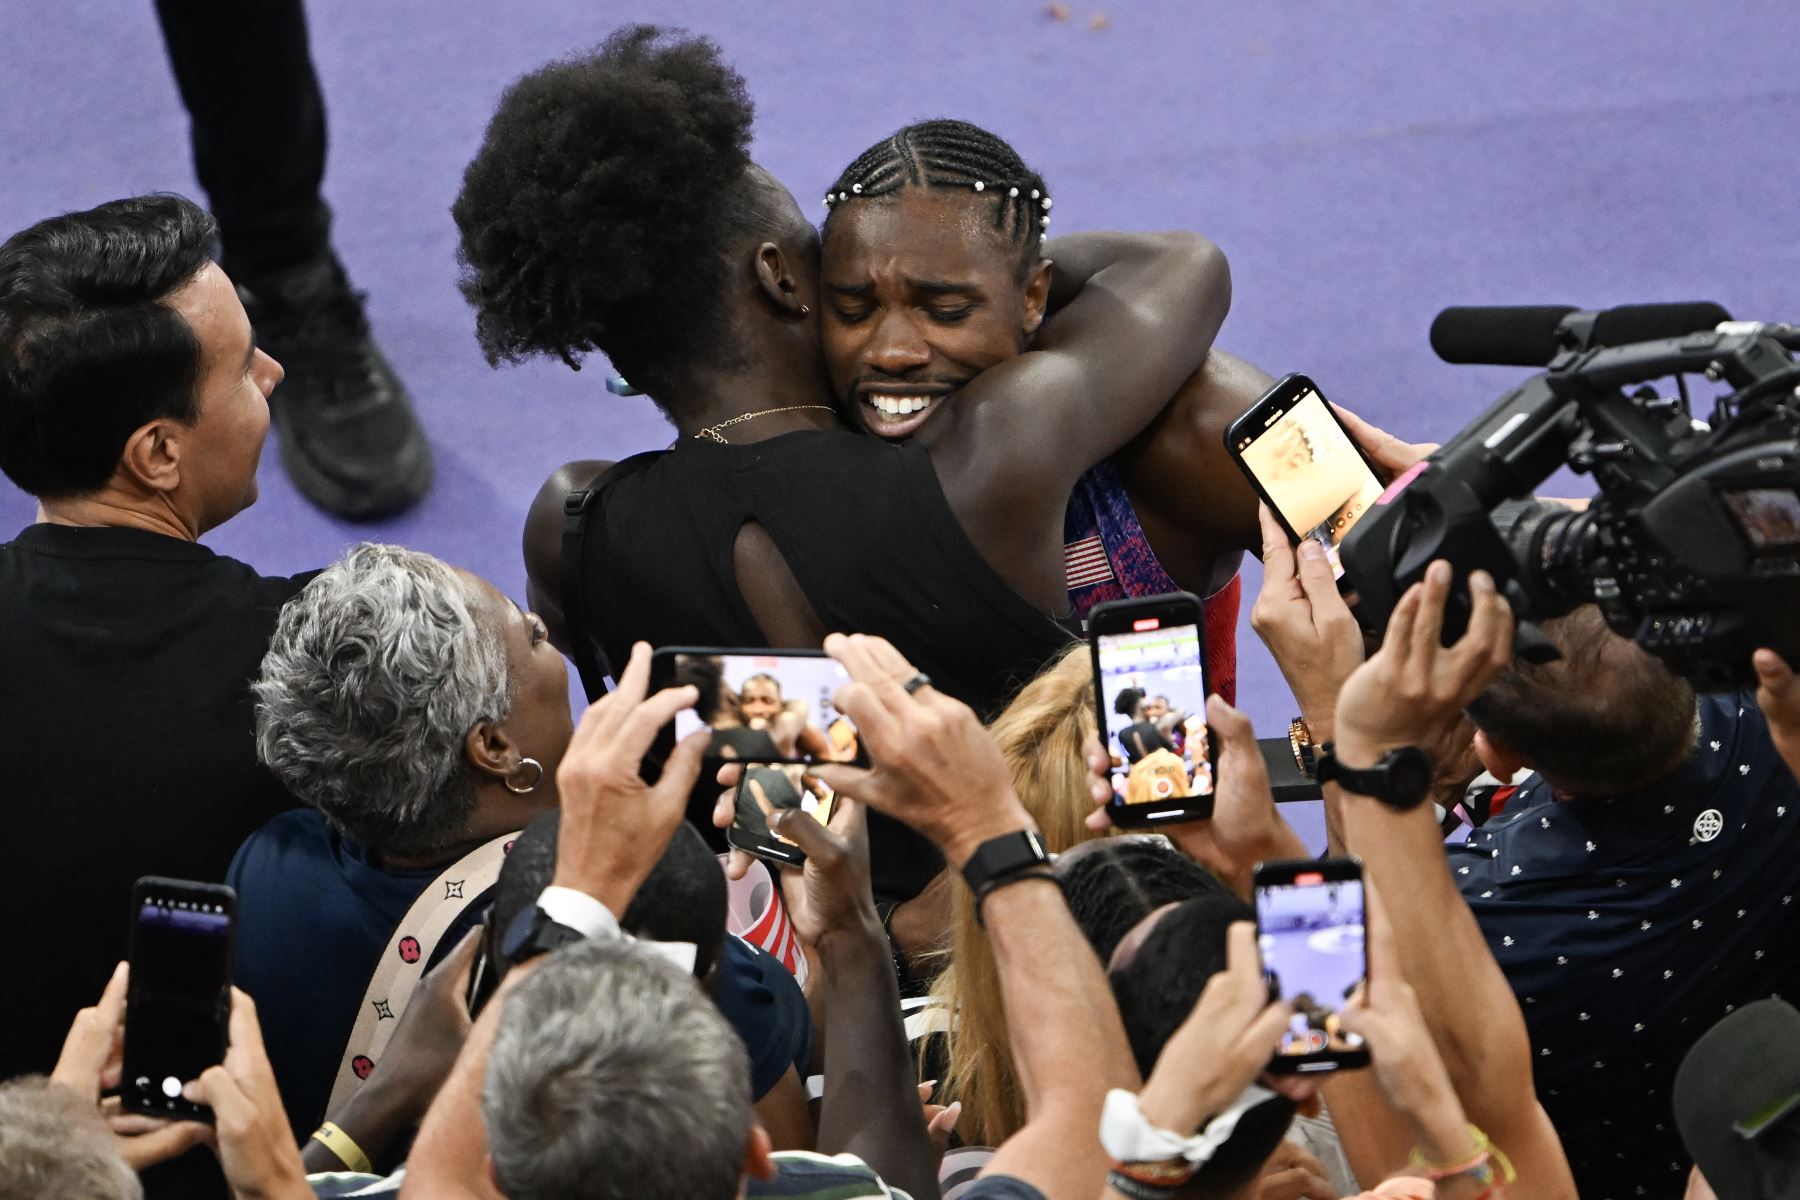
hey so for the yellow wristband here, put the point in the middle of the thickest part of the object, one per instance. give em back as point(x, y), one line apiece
point(334, 1139)
point(1487, 1157)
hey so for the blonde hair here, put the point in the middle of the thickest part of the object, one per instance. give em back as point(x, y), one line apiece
point(1140, 784)
point(1043, 735)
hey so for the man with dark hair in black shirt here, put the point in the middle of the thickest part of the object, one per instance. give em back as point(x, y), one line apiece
point(133, 405)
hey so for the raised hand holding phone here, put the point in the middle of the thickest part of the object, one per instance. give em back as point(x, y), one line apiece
point(178, 1000)
point(1414, 686)
point(255, 1144)
point(1306, 625)
point(832, 894)
point(90, 1064)
point(1311, 930)
point(1299, 455)
point(1150, 699)
point(1225, 1043)
point(1385, 1013)
point(933, 764)
point(615, 826)
point(1246, 827)
point(1387, 453)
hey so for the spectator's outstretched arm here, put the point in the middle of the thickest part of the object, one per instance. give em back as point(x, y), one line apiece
point(1299, 615)
point(255, 1143)
point(1405, 695)
point(1778, 695)
point(393, 1100)
point(1247, 828)
point(1314, 640)
point(90, 1063)
point(615, 828)
point(449, 1158)
point(871, 1106)
point(1411, 1073)
point(1142, 311)
point(937, 769)
point(1221, 1049)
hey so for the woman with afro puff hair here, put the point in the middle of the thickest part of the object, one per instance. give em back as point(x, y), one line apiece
point(613, 206)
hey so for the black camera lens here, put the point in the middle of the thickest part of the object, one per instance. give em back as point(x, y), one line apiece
point(1553, 546)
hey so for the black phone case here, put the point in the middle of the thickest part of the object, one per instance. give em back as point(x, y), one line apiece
point(1284, 872)
point(131, 1098)
point(1249, 423)
point(662, 668)
point(1108, 618)
point(769, 849)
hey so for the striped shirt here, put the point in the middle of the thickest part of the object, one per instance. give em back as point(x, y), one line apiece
point(798, 1176)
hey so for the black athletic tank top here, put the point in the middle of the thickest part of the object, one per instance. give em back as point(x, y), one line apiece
point(864, 527)
point(862, 524)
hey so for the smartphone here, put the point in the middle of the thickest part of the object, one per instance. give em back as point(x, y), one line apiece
point(762, 706)
point(765, 790)
point(1309, 927)
point(182, 938)
point(1304, 464)
point(1150, 689)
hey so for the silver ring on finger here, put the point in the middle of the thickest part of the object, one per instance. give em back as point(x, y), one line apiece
point(919, 680)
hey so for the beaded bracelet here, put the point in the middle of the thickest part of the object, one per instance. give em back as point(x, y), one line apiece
point(1481, 1165)
point(1170, 1173)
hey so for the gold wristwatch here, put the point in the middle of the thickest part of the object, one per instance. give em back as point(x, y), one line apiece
point(1300, 740)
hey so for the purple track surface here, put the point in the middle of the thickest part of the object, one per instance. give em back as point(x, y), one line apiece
point(1362, 164)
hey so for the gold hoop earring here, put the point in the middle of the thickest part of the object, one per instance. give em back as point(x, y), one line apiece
point(536, 778)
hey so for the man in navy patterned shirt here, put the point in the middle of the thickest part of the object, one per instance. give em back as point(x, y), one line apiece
point(1640, 884)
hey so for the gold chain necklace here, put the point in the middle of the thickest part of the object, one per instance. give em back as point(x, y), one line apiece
point(712, 431)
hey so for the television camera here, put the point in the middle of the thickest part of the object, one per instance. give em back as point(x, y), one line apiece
point(1691, 547)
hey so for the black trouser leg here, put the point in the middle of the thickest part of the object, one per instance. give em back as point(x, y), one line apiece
point(246, 75)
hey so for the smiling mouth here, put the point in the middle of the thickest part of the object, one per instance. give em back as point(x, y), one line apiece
point(896, 413)
point(898, 406)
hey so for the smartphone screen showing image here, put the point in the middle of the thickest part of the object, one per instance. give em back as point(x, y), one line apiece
point(763, 706)
point(1309, 918)
point(1151, 688)
point(766, 790)
point(179, 997)
point(1305, 465)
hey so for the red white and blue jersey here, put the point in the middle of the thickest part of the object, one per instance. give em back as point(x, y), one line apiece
point(1107, 557)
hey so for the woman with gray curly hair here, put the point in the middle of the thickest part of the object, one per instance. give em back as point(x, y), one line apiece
point(419, 715)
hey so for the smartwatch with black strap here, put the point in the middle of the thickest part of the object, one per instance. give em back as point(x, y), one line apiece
point(1400, 779)
point(1009, 858)
point(533, 932)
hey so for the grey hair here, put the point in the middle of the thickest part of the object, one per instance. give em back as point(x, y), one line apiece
point(376, 673)
point(613, 1077)
point(53, 1146)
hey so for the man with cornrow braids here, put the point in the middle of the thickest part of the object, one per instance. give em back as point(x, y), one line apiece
point(935, 245)
point(613, 206)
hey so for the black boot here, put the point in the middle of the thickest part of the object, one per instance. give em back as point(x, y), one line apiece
point(349, 439)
